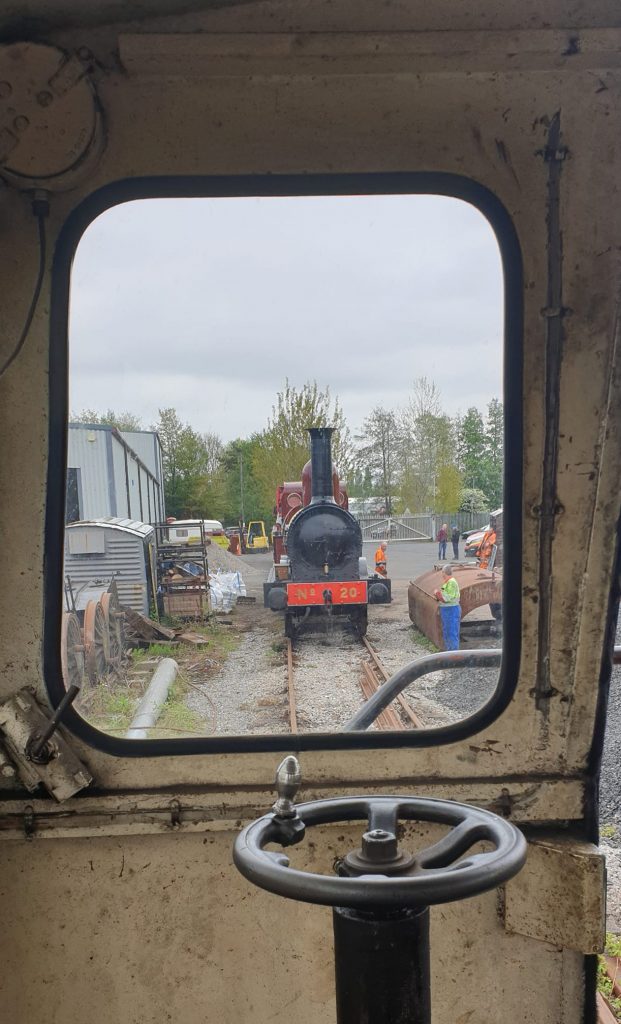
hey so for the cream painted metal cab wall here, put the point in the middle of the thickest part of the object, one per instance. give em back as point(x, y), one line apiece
point(136, 927)
point(148, 929)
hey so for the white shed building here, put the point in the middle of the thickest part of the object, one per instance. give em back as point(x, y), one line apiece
point(114, 474)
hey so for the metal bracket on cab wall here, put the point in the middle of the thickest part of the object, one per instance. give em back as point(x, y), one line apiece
point(23, 727)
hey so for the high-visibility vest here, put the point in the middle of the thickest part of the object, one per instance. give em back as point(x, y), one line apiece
point(380, 560)
point(484, 550)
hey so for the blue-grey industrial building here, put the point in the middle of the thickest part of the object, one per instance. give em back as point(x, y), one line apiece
point(114, 473)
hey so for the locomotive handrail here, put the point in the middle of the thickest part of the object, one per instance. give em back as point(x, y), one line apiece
point(484, 658)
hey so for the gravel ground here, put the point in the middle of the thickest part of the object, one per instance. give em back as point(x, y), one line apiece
point(249, 693)
point(219, 558)
point(440, 697)
point(326, 673)
point(610, 798)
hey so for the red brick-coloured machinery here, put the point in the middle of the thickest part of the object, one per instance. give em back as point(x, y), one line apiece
point(478, 587)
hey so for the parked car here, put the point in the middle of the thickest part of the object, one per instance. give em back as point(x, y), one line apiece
point(476, 529)
point(474, 539)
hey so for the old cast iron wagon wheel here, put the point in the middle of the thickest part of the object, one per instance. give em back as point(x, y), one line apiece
point(95, 641)
point(114, 621)
point(71, 651)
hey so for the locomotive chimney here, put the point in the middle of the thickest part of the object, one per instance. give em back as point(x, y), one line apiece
point(321, 464)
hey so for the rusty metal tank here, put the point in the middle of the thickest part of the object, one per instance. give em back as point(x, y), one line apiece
point(478, 587)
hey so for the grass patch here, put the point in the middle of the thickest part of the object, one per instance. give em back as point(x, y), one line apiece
point(604, 984)
point(111, 704)
point(154, 651)
point(176, 716)
point(171, 622)
point(423, 641)
point(608, 832)
point(222, 639)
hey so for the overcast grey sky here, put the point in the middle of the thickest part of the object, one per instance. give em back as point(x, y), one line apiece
point(208, 304)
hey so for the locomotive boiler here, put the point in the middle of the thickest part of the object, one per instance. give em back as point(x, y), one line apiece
point(319, 570)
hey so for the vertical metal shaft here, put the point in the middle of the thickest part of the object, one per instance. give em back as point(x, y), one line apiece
point(241, 488)
point(382, 967)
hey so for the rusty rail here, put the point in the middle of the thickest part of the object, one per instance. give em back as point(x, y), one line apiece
point(422, 667)
point(413, 671)
point(387, 719)
point(400, 699)
point(293, 718)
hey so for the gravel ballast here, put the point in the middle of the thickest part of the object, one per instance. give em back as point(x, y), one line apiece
point(610, 797)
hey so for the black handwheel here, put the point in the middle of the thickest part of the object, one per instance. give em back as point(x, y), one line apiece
point(382, 875)
point(382, 895)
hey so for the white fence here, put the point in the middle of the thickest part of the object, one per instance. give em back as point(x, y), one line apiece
point(422, 527)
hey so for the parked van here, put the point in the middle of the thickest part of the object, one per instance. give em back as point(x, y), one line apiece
point(188, 531)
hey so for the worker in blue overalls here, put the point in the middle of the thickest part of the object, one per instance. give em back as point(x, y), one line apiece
point(450, 611)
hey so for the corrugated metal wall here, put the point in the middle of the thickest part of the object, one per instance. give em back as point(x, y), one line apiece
point(86, 450)
point(124, 554)
point(120, 487)
point(112, 481)
point(147, 446)
point(134, 503)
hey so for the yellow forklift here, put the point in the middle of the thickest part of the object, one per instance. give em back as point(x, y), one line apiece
point(257, 539)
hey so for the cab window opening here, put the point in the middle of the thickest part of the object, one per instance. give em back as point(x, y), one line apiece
point(416, 539)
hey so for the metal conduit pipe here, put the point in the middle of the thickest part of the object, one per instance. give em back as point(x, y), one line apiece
point(150, 707)
point(413, 671)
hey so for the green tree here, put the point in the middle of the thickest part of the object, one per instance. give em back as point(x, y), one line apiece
point(192, 476)
point(449, 489)
point(473, 500)
point(472, 450)
point(281, 450)
point(427, 448)
point(494, 438)
point(110, 418)
point(378, 453)
point(243, 496)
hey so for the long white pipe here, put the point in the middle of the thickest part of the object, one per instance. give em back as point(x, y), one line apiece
point(150, 707)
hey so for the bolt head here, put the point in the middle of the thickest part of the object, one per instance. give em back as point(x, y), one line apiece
point(379, 846)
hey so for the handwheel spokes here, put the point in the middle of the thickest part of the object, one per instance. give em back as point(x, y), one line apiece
point(452, 846)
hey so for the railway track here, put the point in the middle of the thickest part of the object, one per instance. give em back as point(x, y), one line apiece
point(372, 675)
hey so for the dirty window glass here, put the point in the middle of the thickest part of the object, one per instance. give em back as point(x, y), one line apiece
point(286, 420)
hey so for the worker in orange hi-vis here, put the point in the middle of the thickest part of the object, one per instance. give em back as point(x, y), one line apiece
point(380, 560)
point(485, 548)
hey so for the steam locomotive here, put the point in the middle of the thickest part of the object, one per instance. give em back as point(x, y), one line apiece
point(318, 566)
